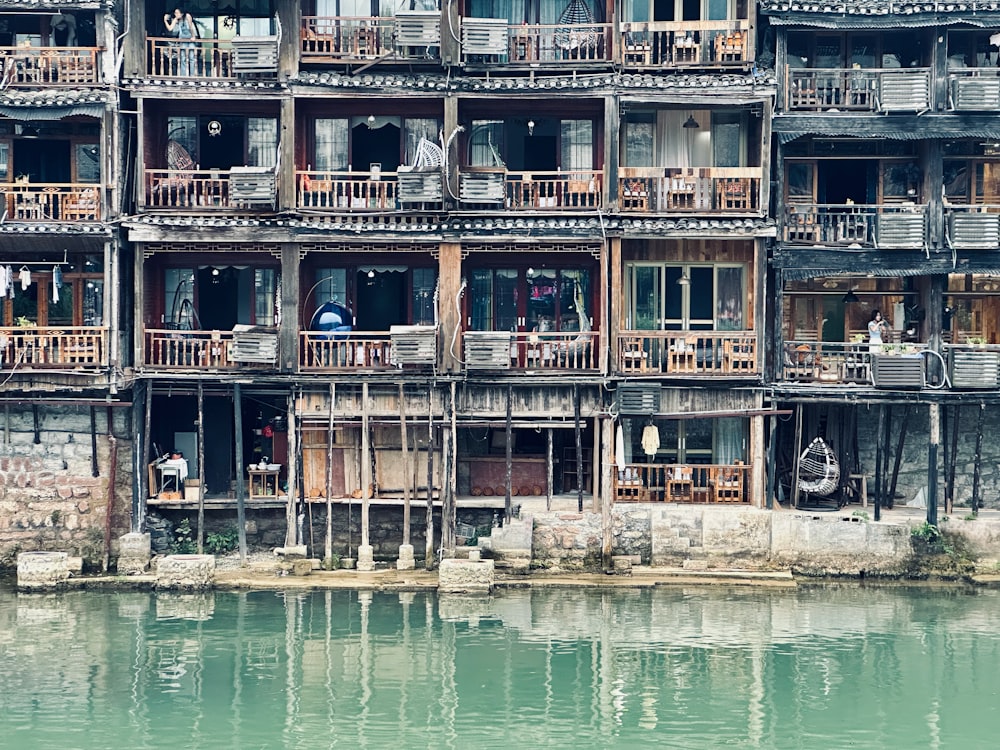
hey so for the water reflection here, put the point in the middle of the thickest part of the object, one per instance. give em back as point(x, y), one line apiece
point(824, 666)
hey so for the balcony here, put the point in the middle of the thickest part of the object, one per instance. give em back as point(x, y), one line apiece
point(532, 191)
point(879, 365)
point(53, 347)
point(44, 202)
point(210, 190)
point(36, 67)
point(688, 353)
point(678, 483)
point(328, 39)
point(348, 191)
point(494, 41)
point(663, 44)
point(368, 351)
point(689, 190)
point(896, 226)
point(881, 90)
point(209, 59)
point(566, 351)
point(211, 351)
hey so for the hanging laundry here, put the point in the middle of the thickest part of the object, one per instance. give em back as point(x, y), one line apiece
point(10, 282)
point(650, 440)
point(25, 277)
point(3, 281)
point(56, 284)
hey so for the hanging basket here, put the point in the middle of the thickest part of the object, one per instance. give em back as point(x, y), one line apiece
point(819, 470)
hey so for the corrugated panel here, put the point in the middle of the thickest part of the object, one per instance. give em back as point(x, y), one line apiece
point(418, 28)
point(487, 350)
point(638, 398)
point(899, 92)
point(413, 345)
point(976, 94)
point(482, 187)
point(974, 230)
point(255, 54)
point(419, 187)
point(484, 36)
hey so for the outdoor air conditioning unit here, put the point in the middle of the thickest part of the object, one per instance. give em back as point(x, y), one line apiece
point(487, 350)
point(638, 398)
point(484, 36)
point(413, 345)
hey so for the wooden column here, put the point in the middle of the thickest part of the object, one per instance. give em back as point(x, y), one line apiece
point(291, 528)
point(290, 17)
point(612, 106)
point(328, 546)
point(453, 150)
point(548, 469)
point(508, 454)
point(578, 437)
point(932, 462)
point(366, 466)
point(449, 303)
point(241, 526)
point(287, 195)
point(429, 516)
point(288, 333)
point(616, 299)
point(757, 462)
point(406, 464)
point(201, 466)
point(607, 506)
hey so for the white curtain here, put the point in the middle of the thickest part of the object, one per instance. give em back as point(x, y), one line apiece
point(677, 146)
point(331, 144)
point(262, 141)
point(727, 440)
point(577, 142)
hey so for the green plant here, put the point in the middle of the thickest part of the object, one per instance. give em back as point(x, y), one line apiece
point(860, 514)
point(183, 543)
point(926, 532)
point(222, 542)
point(56, 516)
point(332, 562)
point(970, 517)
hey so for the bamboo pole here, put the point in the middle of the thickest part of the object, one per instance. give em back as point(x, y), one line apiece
point(328, 546)
point(406, 465)
point(201, 467)
point(240, 488)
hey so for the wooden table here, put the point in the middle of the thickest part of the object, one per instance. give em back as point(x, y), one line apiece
point(263, 483)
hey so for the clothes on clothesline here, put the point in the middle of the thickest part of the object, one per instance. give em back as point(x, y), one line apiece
point(56, 283)
point(6, 282)
point(25, 276)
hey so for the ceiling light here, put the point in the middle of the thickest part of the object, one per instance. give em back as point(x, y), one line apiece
point(850, 297)
point(691, 122)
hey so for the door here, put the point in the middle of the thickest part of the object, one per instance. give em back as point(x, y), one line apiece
point(381, 298)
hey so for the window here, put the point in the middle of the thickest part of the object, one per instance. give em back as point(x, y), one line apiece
point(76, 300)
point(532, 299)
point(686, 297)
point(331, 136)
point(87, 157)
point(178, 303)
point(262, 141)
point(266, 311)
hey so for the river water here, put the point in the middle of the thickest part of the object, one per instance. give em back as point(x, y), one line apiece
point(826, 666)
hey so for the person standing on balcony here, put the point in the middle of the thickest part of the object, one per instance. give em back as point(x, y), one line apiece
point(182, 26)
point(878, 332)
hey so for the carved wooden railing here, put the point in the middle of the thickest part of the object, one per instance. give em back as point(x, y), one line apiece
point(55, 347)
point(326, 38)
point(659, 44)
point(353, 350)
point(835, 362)
point(41, 202)
point(688, 353)
point(689, 189)
point(531, 44)
point(209, 189)
point(199, 58)
point(168, 349)
point(31, 67)
point(682, 483)
point(857, 89)
point(562, 351)
point(347, 191)
point(569, 191)
point(887, 226)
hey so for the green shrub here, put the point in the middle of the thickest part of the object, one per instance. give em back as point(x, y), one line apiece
point(183, 543)
point(222, 542)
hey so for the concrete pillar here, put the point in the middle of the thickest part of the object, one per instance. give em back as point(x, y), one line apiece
point(366, 558)
point(405, 560)
point(38, 571)
point(189, 572)
point(133, 554)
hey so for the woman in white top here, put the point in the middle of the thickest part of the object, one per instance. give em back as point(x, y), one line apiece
point(878, 332)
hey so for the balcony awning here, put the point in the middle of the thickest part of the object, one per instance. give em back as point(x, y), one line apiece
point(927, 268)
point(34, 113)
point(895, 134)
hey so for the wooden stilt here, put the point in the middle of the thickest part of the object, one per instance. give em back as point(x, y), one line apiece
point(328, 545)
point(772, 452)
point(406, 465)
point(95, 470)
point(951, 461)
point(977, 460)
point(548, 469)
point(795, 458)
point(429, 514)
point(508, 453)
point(886, 442)
point(879, 462)
point(366, 466)
point(578, 435)
point(934, 440)
point(294, 461)
point(147, 437)
point(201, 470)
point(241, 525)
point(898, 460)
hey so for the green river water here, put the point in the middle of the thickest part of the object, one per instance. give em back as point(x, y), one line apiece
point(825, 666)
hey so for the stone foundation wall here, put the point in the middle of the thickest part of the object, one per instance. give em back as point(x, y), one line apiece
point(49, 498)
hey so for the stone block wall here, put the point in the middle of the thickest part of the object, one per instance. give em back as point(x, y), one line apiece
point(49, 498)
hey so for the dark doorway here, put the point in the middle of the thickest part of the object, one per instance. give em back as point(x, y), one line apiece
point(375, 146)
point(218, 297)
point(42, 160)
point(381, 299)
point(225, 150)
point(844, 180)
point(219, 446)
point(540, 153)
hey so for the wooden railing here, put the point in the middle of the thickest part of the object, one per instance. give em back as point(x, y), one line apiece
point(347, 191)
point(199, 58)
point(31, 67)
point(835, 362)
point(682, 483)
point(41, 202)
point(326, 38)
point(888, 225)
point(354, 350)
point(531, 44)
point(56, 347)
point(688, 353)
point(857, 89)
point(207, 189)
point(555, 351)
point(689, 190)
point(568, 191)
point(666, 43)
point(189, 350)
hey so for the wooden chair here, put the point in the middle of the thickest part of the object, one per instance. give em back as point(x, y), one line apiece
point(679, 485)
point(738, 357)
point(630, 490)
point(81, 205)
point(728, 485)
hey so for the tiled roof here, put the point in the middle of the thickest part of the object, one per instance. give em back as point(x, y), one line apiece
point(184, 86)
point(54, 227)
point(54, 5)
point(879, 13)
point(705, 83)
point(436, 227)
point(56, 97)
